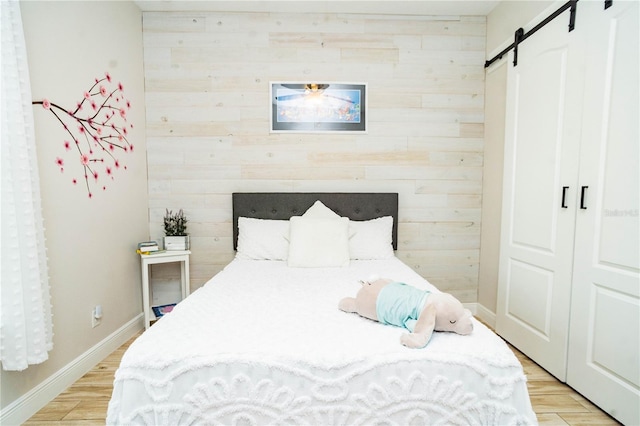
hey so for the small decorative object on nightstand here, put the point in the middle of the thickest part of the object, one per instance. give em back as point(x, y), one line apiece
point(148, 247)
point(147, 260)
point(175, 229)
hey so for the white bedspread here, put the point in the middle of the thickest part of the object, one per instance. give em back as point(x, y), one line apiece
point(262, 343)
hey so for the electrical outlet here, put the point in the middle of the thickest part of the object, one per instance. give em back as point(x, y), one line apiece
point(96, 316)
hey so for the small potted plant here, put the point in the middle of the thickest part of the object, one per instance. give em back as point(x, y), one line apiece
point(175, 229)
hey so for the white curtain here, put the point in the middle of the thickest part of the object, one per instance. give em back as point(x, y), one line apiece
point(25, 307)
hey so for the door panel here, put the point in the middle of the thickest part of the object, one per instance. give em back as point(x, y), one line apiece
point(537, 149)
point(605, 315)
point(531, 288)
point(541, 157)
point(607, 308)
point(619, 144)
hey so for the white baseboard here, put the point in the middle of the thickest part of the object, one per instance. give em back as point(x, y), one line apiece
point(30, 403)
point(482, 313)
point(489, 317)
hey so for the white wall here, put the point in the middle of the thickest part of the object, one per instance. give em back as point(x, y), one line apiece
point(90, 242)
point(502, 22)
point(207, 86)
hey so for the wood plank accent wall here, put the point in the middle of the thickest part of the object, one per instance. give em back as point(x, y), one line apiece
point(207, 101)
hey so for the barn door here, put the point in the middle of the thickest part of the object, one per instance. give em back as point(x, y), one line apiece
point(539, 195)
point(605, 310)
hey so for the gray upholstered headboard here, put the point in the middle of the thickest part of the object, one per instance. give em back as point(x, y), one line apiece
point(283, 205)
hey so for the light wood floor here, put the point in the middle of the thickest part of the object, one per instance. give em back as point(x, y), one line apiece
point(85, 402)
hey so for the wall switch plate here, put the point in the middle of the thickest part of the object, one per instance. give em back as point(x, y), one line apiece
point(96, 316)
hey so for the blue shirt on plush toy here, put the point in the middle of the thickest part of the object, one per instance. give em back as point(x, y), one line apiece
point(400, 304)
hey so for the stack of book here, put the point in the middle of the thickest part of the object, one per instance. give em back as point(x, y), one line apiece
point(148, 247)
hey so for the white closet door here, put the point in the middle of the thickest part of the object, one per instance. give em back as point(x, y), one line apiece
point(605, 311)
point(541, 158)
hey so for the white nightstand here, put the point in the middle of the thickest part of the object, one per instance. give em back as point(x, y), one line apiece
point(147, 260)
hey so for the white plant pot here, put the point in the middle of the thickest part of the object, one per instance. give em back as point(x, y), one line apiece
point(176, 243)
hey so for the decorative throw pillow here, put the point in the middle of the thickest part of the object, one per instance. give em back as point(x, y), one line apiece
point(371, 239)
point(263, 239)
point(315, 243)
point(320, 211)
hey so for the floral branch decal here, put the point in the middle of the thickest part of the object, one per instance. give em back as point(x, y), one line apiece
point(97, 129)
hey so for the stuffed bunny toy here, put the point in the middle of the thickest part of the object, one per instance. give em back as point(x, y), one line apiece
point(419, 311)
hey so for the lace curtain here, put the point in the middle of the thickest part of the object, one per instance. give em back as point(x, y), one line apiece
point(25, 310)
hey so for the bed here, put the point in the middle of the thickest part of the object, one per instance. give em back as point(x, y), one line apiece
point(263, 342)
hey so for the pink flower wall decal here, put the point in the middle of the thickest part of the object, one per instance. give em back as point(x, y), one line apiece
point(101, 133)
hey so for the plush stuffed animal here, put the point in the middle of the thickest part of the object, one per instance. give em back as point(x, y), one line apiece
point(419, 311)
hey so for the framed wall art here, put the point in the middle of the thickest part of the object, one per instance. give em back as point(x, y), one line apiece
point(318, 107)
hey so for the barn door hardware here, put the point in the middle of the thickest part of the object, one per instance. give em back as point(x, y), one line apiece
point(564, 197)
point(521, 36)
point(583, 197)
point(517, 38)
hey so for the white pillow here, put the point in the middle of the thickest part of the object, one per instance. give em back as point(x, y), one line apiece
point(315, 243)
point(263, 239)
point(371, 239)
point(320, 211)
